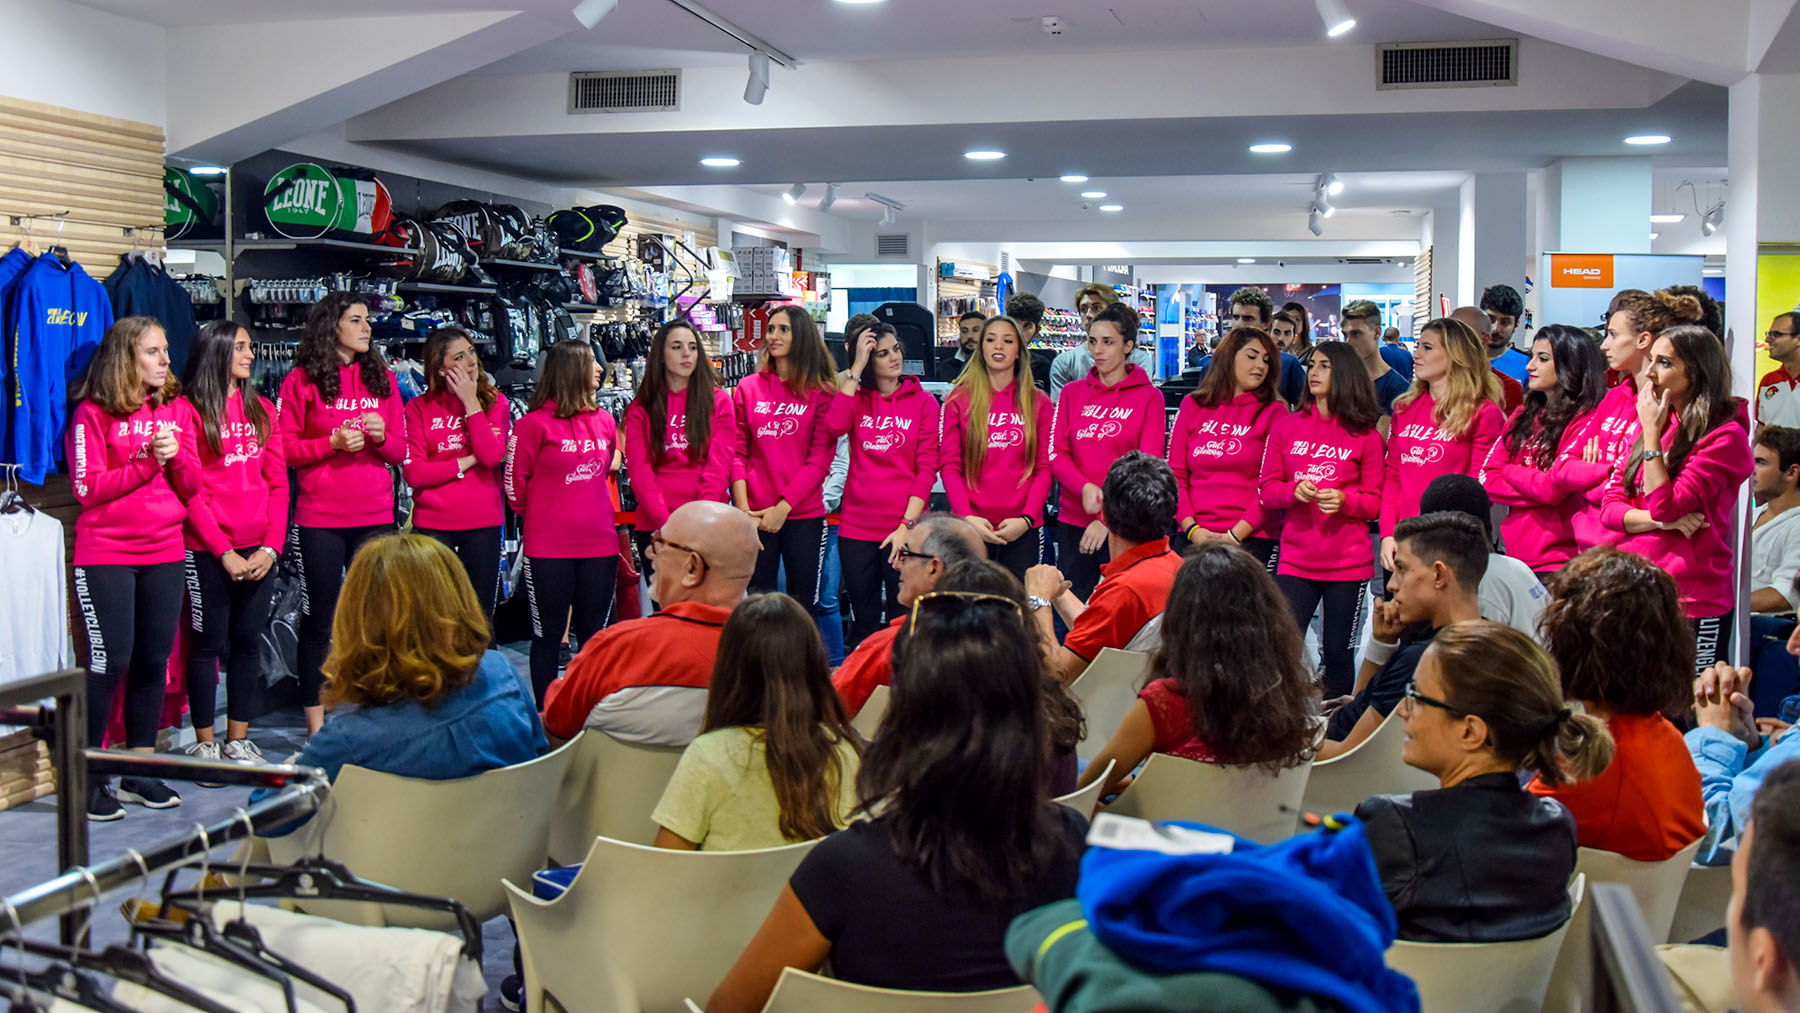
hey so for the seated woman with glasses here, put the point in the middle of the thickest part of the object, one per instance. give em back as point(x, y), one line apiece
point(1479, 859)
point(962, 838)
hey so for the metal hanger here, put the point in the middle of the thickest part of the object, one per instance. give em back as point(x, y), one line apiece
point(13, 501)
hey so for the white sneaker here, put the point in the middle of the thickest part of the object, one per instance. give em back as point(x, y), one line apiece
point(243, 751)
point(206, 751)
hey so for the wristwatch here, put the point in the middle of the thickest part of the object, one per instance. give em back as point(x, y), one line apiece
point(1037, 602)
point(910, 522)
point(1652, 455)
point(276, 556)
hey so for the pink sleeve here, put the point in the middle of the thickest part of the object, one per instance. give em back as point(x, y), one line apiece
point(652, 508)
point(926, 461)
point(1177, 456)
point(1260, 431)
point(821, 447)
point(290, 422)
point(1154, 438)
point(1720, 461)
point(1613, 501)
point(421, 472)
point(392, 448)
point(487, 432)
point(721, 447)
point(1575, 474)
point(1039, 490)
point(200, 517)
point(94, 482)
point(275, 473)
point(1364, 498)
point(950, 456)
point(184, 467)
point(1277, 490)
point(1487, 425)
point(1062, 462)
point(521, 453)
point(740, 444)
point(1497, 473)
point(843, 410)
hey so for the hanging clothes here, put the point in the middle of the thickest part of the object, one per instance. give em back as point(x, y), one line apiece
point(12, 265)
point(138, 287)
point(34, 598)
point(55, 316)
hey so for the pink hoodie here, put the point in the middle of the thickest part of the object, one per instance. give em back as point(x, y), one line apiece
point(556, 471)
point(1007, 484)
point(661, 489)
point(1217, 455)
point(437, 434)
point(243, 496)
point(1096, 425)
point(784, 447)
point(893, 455)
point(130, 512)
point(1539, 527)
point(1314, 544)
point(340, 489)
point(1708, 484)
point(1615, 424)
point(1418, 451)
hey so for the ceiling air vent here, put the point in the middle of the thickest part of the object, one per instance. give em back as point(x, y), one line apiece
point(635, 91)
point(1482, 63)
point(1365, 260)
point(894, 244)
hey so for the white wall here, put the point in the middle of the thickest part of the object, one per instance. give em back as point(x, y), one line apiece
point(79, 58)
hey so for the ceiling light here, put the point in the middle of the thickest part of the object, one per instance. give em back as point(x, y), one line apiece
point(1335, 15)
point(1647, 139)
point(758, 85)
point(1246, 260)
point(1331, 184)
point(719, 162)
point(1271, 148)
point(1322, 205)
point(207, 170)
point(984, 155)
point(830, 197)
point(858, 3)
point(1667, 219)
point(1093, 194)
point(793, 194)
point(1315, 224)
point(589, 12)
point(1655, 235)
point(1074, 177)
point(1112, 207)
point(1712, 219)
point(887, 216)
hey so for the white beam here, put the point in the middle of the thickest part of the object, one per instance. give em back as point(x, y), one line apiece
point(1705, 41)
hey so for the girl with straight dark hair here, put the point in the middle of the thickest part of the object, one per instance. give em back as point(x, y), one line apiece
point(673, 455)
point(1216, 449)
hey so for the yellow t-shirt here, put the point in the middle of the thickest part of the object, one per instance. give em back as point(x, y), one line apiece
point(721, 796)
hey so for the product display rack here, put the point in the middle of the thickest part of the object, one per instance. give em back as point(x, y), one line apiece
point(433, 288)
point(284, 243)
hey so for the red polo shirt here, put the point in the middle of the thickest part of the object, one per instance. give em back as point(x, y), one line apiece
point(673, 648)
point(1512, 392)
point(1133, 590)
point(869, 666)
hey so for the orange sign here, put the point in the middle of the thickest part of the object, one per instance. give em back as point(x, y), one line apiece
point(1581, 270)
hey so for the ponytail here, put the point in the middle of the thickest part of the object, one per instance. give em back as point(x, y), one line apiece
point(1576, 746)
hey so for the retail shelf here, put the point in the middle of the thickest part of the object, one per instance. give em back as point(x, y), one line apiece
point(282, 243)
point(522, 265)
point(584, 255)
point(434, 288)
point(583, 307)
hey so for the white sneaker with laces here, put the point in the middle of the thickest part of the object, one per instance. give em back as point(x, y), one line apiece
point(205, 751)
point(244, 751)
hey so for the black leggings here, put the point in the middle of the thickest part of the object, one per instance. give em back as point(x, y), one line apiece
point(873, 585)
point(228, 617)
point(579, 591)
point(1020, 554)
point(1712, 640)
point(799, 550)
point(130, 613)
point(479, 551)
point(325, 553)
point(1266, 550)
point(1080, 569)
point(1343, 622)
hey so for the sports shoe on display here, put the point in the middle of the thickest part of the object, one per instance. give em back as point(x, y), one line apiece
point(512, 992)
point(148, 792)
point(243, 751)
point(102, 807)
point(206, 751)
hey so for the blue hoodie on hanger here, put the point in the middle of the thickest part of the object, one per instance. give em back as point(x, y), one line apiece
point(11, 266)
point(55, 318)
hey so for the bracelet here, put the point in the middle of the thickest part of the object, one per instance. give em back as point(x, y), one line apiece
point(276, 556)
point(1188, 532)
point(1029, 523)
point(1380, 652)
point(1233, 533)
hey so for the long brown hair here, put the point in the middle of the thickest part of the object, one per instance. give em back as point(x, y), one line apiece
point(653, 396)
point(810, 366)
point(209, 383)
point(1351, 398)
point(771, 676)
point(1220, 383)
point(317, 354)
point(1709, 404)
point(973, 385)
point(408, 625)
point(437, 348)
point(566, 380)
point(1469, 382)
point(111, 379)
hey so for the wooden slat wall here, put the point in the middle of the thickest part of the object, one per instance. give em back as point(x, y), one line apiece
point(1423, 306)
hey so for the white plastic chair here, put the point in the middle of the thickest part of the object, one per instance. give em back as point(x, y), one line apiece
point(610, 791)
point(873, 710)
point(1507, 977)
point(1657, 888)
point(1704, 895)
point(455, 839)
point(799, 991)
point(1247, 801)
point(1106, 690)
point(1086, 800)
point(642, 928)
point(1373, 767)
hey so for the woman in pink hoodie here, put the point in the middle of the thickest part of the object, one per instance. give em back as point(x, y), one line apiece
point(995, 451)
point(1537, 467)
point(341, 426)
point(1099, 418)
point(132, 465)
point(236, 529)
point(892, 423)
point(1675, 496)
point(1323, 466)
point(1216, 450)
point(784, 450)
point(674, 456)
point(456, 436)
point(1446, 422)
point(557, 464)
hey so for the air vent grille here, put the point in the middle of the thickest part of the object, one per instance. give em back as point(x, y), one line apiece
point(893, 244)
point(601, 91)
point(1485, 63)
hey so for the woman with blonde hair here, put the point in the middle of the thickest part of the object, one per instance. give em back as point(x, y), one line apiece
point(1447, 421)
point(994, 456)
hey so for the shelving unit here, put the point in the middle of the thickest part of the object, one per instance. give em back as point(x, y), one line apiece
point(283, 243)
point(605, 258)
point(432, 288)
point(522, 265)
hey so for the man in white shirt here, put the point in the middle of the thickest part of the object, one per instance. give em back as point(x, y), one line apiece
point(1510, 593)
point(1775, 537)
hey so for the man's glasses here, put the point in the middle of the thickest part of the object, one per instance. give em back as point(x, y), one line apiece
point(1416, 697)
point(1772, 335)
point(658, 543)
point(906, 554)
point(942, 598)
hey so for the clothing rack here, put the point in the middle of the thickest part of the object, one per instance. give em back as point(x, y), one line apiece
point(64, 726)
point(63, 216)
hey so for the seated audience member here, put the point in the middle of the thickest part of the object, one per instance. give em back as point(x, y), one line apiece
point(1610, 605)
point(409, 652)
point(1774, 563)
point(1510, 593)
point(1762, 926)
point(1228, 684)
point(1438, 564)
point(1479, 859)
point(776, 758)
point(962, 837)
point(1735, 751)
point(1140, 497)
point(644, 680)
point(934, 545)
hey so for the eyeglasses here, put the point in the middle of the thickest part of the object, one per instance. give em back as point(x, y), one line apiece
point(659, 543)
point(1772, 335)
point(952, 597)
point(906, 554)
point(1412, 694)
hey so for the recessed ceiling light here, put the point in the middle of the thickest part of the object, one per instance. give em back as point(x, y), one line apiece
point(1112, 207)
point(858, 3)
point(207, 170)
point(1246, 260)
point(1074, 177)
point(1271, 148)
point(1093, 194)
point(1668, 219)
point(1647, 139)
point(984, 155)
point(719, 162)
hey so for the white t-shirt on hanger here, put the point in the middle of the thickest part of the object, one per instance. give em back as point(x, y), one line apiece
point(34, 597)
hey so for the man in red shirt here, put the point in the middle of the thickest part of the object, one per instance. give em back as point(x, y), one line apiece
point(1139, 510)
point(936, 542)
point(645, 680)
point(1513, 392)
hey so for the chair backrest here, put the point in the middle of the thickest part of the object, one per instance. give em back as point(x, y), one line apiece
point(454, 839)
point(1656, 886)
point(641, 928)
point(1374, 767)
point(1704, 895)
point(873, 710)
point(610, 790)
point(798, 991)
point(1086, 800)
point(1248, 801)
point(1507, 977)
point(1106, 690)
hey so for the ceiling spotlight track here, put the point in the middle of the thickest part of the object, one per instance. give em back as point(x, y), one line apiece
point(1331, 184)
point(1712, 217)
point(758, 85)
point(830, 197)
point(794, 193)
point(1322, 206)
point(1336, 16)
point(1315, 224)
point(890, 207)
point(744, 37)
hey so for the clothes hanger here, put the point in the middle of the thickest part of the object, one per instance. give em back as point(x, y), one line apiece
point(60, 251)
point(13, 501)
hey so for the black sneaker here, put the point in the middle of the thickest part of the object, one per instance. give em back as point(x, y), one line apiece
point(148, 792)
point(512, 992)
point(102, 807)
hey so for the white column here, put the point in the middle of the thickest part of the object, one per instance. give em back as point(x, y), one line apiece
point(1495, 212)
point(1603, 205)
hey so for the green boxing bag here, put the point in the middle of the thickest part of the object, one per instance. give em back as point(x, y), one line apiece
point(187, 203)
point(308, 201)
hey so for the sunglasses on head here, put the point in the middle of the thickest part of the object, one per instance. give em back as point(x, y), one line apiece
point(944, 598)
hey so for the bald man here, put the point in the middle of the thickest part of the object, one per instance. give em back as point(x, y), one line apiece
point(1478, 321)
point(645, 680)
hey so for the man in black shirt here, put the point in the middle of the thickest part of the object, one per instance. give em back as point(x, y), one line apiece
point(1437, 574)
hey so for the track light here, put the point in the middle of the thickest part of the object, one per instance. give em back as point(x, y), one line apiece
point(1335, 15)
point(589, 12)
point(758, 85)
point(1315, 224)
point(1712, 219)
point(887, 216)
point(1331, 184)
point(830, 197)
point(794, 193)
point(1321, 205)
